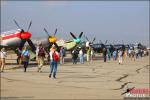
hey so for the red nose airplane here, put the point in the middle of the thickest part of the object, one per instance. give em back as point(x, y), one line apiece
point(16, 38)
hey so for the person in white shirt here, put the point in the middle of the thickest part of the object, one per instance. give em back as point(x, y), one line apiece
point(54, 58)
point(37, 51)
point(3, 55)
point(81, 56)
point(92, 54)
point(120, 56)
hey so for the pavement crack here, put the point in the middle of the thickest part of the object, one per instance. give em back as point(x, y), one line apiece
point(119, 79)
point(147, 66)
point(122, 86)
point(138, 70)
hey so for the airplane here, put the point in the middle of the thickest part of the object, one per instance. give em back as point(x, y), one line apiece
point(89, 43)
point(16, 39)
point(85, 45)
point(98, 47)
point(68, 45)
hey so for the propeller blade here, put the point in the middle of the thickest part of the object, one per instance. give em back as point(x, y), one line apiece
point(49, 46)
point(17, 24)
point(87, 38)
point(93, 40)
point(22, 44)
point(106, 41)
point(57, 47)
point(73, 35)
point(80, 35)
point(46, 32)
point(29, 26)
point(31, 45)
point(55, 32)
point(100, 41)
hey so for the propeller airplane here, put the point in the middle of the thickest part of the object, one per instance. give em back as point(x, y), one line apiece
point(17, 38)
point(68, 45)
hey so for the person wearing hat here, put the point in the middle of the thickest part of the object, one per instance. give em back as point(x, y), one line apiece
point(54, 58)
point(3, 55)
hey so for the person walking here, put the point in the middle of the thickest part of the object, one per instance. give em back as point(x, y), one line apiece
point(37, 52)
point(108, 54)
point(92, 54)
point(54, 58)
point(88, 54)
point(3, 55)
point(136, 53)
point(129, 52)
point(74, 56)
point(18, 52)
point(81, 56)
point(104, 54)
point(120, 56)
point(133, 55)
point(25, 56)
point(41, 56)
point(115, 54)
point(62, 55)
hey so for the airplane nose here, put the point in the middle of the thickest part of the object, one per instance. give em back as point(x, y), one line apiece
point(52, 40)
point(25, 35)
point(77, 40)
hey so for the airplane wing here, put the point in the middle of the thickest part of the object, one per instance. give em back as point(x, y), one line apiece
point(70, 46)
point(61, 42)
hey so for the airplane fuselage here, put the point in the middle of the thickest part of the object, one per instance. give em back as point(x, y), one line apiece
point(10, 38)
point(13, 38)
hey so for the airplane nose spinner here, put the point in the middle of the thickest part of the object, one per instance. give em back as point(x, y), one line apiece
point(52, 40)
point(78, 40)
point(25, 35)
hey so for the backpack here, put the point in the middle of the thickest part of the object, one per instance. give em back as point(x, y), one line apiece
point(55, 57)
point(41, 52)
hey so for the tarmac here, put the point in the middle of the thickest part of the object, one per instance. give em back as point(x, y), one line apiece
point(94, 80)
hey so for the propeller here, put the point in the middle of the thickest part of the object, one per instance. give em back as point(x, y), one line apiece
point(17, 24)
point(31, 45)
point(77, 40)
point(29, 26)
point(93, 40)
point(86, 38)
point(73, 35)
point(90, 41)
point(106, 41)
point(25, 36)
point(80, 34)
point(47, 32)
point(52, 39)
point(55, 32)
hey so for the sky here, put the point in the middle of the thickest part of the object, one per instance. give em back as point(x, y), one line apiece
point(115, 21)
